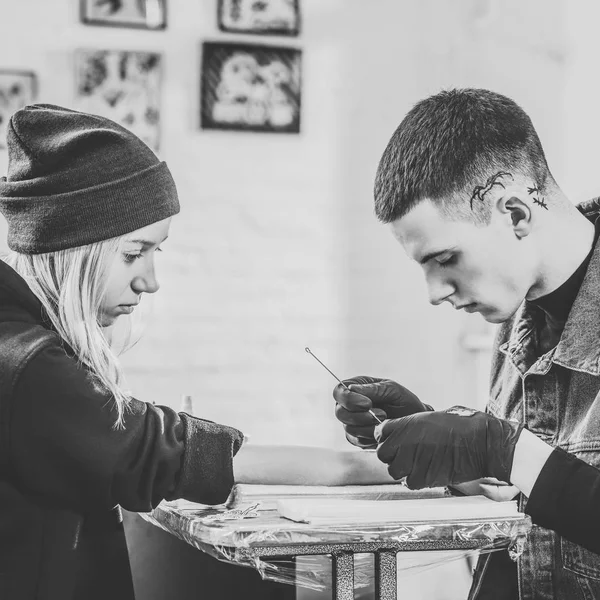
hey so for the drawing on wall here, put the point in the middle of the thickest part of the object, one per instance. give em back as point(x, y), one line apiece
point(17, 89)
point(250, 87)
point(281, 17)
point(123, 86)
point(144, 14)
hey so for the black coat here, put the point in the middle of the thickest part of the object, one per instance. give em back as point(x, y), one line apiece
point(65, 470)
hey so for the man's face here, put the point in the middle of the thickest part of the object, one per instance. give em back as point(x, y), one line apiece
point(482, 269)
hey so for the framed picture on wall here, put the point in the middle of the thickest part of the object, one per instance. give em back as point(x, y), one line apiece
point(249, 87)
point(17, 89)
point(123, 86)
point(142, 14)
point(277, 17)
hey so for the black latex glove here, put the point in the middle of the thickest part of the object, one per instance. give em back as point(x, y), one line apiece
point(448, 447)
point(387, 399)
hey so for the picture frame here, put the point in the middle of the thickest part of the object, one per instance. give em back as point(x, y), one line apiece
point(137, 14)
point(262, 17)
point(121, 85)
point(17, 89)
point(250, 87)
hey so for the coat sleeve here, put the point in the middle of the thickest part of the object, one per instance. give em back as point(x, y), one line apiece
point(565, 498)
point(65, 449)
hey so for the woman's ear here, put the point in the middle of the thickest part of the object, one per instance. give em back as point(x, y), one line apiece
point(519, 213)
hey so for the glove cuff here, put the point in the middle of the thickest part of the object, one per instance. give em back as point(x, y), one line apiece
point(502, 437)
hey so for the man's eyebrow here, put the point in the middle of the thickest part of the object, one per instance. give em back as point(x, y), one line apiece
point(431, 255)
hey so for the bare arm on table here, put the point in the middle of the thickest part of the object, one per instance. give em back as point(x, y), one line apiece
point(302, 465)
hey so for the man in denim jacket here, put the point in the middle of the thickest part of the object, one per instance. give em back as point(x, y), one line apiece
point(466, 189)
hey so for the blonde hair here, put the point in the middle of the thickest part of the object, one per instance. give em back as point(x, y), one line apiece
point(71, 284)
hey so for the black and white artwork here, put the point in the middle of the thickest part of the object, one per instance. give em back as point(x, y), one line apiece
point(250, 87)
point(277, 17)
point(123, 86)
point(17, 89)
point(143, 14)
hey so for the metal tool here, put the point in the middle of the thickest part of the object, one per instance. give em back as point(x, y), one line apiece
point(307, 349)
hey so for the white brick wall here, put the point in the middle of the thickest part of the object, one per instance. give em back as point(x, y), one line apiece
point(277, 247)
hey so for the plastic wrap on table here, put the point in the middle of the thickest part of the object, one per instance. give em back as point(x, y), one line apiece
point(268, 543)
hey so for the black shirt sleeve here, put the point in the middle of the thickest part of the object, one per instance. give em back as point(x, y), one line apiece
point(566, 497)
point(65, 449)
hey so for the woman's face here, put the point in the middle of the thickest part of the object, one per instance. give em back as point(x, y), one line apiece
point(132, 272)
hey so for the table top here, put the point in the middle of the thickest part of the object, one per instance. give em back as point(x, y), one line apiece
point(266, 534)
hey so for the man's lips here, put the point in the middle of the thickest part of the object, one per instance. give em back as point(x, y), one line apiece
point(470, 307)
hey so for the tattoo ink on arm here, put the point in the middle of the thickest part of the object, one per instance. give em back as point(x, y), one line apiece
point(479, 191)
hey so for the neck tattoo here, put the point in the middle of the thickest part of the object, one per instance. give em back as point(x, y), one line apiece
point(537, 197)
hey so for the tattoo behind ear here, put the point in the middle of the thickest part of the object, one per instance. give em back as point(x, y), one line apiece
point(479, 191)
point(538, 199)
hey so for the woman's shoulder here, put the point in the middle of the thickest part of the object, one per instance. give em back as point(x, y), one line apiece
point(21, 341)
point(39, 367)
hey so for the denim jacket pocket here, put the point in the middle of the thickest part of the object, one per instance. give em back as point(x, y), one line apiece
point(579, 560)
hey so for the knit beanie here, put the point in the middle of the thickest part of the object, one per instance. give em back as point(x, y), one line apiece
point(75, 179)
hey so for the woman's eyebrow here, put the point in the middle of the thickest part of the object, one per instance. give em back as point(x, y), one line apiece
point(146, 242)
point(142, 242)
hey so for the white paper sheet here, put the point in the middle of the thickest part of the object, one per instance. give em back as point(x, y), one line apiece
point(341, 510)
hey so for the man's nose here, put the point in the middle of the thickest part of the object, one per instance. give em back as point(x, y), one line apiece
point(439, 291)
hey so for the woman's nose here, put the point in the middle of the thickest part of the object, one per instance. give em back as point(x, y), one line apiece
point(146, 282)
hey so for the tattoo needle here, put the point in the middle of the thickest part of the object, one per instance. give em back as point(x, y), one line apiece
point(307, 349)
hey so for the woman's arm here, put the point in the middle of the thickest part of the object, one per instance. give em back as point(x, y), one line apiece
point(65, 449)
point(303, 465)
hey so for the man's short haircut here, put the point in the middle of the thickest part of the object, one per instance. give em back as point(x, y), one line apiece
point(449, 144)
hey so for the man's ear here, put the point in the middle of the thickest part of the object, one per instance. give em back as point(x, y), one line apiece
point(518, 211)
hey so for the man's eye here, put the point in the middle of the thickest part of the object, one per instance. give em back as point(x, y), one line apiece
point(446, 261)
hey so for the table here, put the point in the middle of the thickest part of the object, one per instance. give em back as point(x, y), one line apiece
point(248, 541)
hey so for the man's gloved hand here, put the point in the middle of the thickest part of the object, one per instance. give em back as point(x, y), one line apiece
point(387, 399)
point(447, 447)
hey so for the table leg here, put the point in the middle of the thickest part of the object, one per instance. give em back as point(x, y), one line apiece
point(342, 572)
point(385, 575)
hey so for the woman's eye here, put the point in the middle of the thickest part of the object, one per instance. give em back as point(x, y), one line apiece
point(130, 257)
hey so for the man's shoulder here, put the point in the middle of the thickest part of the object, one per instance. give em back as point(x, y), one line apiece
point(590, 208)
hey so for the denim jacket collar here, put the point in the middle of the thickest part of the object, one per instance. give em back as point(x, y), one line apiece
point(579, 345)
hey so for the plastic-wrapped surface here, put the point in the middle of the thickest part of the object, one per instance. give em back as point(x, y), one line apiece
point(268, 543)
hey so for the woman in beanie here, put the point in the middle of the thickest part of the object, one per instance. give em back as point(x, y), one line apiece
point(88, 205)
